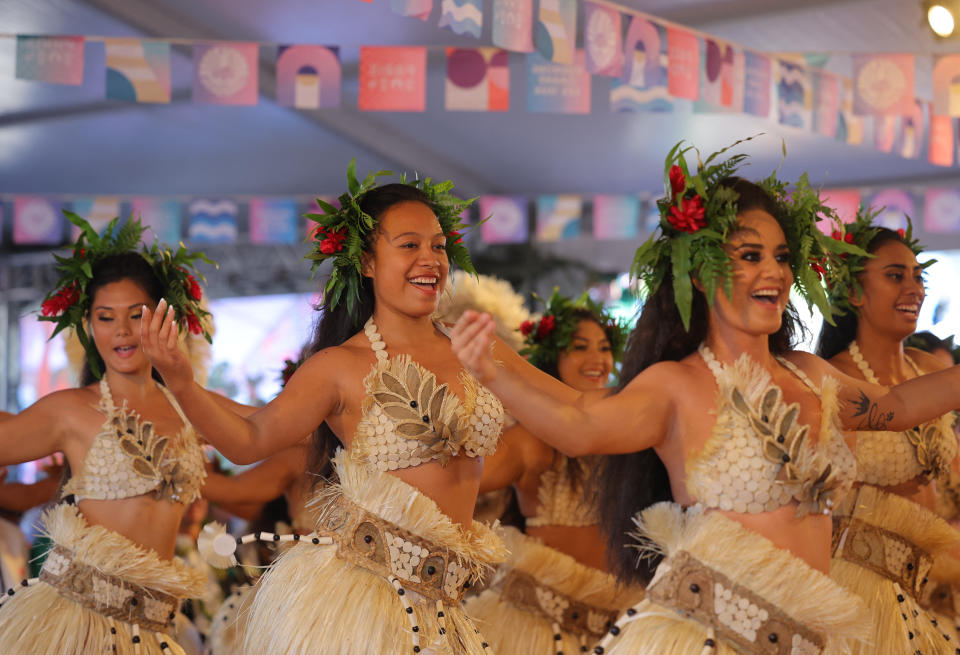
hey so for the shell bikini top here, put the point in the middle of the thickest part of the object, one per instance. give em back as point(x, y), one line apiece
point(892, 458)
point(561, 496)
point(129, 459)
point(759, 458)
point(409, 419)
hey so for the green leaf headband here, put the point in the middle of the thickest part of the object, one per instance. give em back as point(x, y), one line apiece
point(698, 215)
point(342, 232)
point(69, 304)
point(544, 340)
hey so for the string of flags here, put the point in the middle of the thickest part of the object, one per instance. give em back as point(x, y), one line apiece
point(37, 220)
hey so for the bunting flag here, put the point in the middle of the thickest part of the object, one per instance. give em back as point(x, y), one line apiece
point(894, 206)
point(308, 76)
point(56, 59)
point(419, 9)
point(37, 221)
point(883, 84)
point(826, 103)
point(846, 202)
point(273, 220)
point(885, 131)
point(757, 84)
point(462, 16)
point(615, 217)
point(138, 71)
point(942, 211)
point(558, 217)
point(683, 63)
point(555, 34)
point(225, 73)
point(392, 78)
point(643, 86)
point(556, 88)
point(940, 148)
point(98, 211)
point(508, 219)
point(478, 79)
point(212, 221)
point(913, 135)
point(850, 127)
point(722, 76)
point(513, 25)
point(603, 40)
point(793, 94)
point(161, 217)
point(946, 85)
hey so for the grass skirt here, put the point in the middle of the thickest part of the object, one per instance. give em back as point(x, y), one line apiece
point(314, 601)
point(941, 598)
point(40, 620)
point(514, 628)
point(900, 624)
point(790, 592)
point(229, 622)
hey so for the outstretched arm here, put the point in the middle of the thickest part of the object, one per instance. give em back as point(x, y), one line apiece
point(37, 431)
point(259, 484)
point(305, 402)
point(632, 420)
point(519, 456)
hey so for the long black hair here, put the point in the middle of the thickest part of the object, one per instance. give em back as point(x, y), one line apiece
point(336, 324)
point(632, 482)
point(116, 268)
point(834, 339)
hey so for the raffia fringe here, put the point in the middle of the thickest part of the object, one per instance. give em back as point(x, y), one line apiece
point(228, 625)
point(753, 562)
point(39, 621)
point(515, 631)
point(313, 602)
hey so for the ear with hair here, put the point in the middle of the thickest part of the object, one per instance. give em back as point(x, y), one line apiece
point(366, 264)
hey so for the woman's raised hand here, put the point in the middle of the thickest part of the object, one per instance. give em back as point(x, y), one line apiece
point(470, 340)
point(158, 338)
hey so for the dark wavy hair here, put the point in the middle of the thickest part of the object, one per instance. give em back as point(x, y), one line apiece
point(336, 325)
point(630, 483)
point(116, 268)
point(834, 339)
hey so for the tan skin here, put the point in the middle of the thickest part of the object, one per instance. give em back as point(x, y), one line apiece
point(408, 245)
point(888, 307)
point(67, 421)
point(670, 406)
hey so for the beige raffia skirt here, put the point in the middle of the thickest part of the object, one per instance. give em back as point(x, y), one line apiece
point(98, 592)
point(941, 597)
point(544, 602)
point(723, 589)
point(392, 580)
point(884, 547)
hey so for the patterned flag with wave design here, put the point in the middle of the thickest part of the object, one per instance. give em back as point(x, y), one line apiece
point(462, 16)
point(212, 221)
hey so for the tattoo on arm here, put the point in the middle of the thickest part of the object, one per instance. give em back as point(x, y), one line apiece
point(872, 417)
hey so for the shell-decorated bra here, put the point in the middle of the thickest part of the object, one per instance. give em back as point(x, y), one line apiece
point(562, 500)
point(892, 458)
point(759, 457)
point(129, 459)
point(408, 418)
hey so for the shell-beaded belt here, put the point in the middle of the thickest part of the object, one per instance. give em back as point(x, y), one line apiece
point(886, 553)
point(570, 614)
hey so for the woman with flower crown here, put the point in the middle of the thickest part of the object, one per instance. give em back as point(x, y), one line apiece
point(890, 547)
point(718, 413)
point(554, 593)
point(110, 583)
point(394, 547)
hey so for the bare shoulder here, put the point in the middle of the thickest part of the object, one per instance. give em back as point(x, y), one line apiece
point(664, 376)
point(926, 362)
point(815, 367)
point(69, 400)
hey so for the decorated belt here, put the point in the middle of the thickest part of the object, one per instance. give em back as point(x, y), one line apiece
point(884, 552)
point(108, 595)
point(365, 539)
point(572, 615)
point(940, 598)
point(738, 615)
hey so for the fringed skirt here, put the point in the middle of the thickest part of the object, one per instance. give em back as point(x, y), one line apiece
point(723, 589)
point(941, 596)
point(544, 602)
point(391, 582)
point(98, 592)
point(228, 625)
point(884, 547)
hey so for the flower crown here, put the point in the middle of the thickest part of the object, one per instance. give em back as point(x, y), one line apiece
point(545, 339)
point(698, 215)
point(846, 268)
point(342, 232)
point(69, 304)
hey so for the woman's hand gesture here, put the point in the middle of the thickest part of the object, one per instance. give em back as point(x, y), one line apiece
point(158, 338)
point(470, 341)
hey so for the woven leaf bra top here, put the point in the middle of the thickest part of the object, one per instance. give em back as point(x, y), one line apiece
point(129, 459)
point(892, 458)
point(408, 418)
point(561, 495)
point(759, 457)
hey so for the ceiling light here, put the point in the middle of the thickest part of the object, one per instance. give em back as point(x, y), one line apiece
point(941, 20)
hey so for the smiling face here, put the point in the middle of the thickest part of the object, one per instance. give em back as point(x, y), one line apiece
point(893, 291)
point(761, 276)
point(115, 325)
point(408, 259)
point(587, 362)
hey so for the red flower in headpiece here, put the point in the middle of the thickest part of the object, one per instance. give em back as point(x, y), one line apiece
point(818, 269)
point(193, 323)
point(901, 232)
point(677, 181)
point(837, 234)
point(332, 240)
point(547, 323)
point(455, 237)
point(193, 288)
point(848, 237)
point(61, 301)
point(526, 328)
point(689, 217)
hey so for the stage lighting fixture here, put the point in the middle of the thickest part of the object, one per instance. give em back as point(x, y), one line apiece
point(941, 16)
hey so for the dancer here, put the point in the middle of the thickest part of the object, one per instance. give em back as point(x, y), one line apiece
point(396, 546)
point(554, 594)
point(109, 584)
point(748, 431)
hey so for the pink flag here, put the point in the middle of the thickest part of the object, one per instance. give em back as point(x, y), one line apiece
point(683, 73)
point(883, 84)
point(946, 86)
point(603, 40)
point(508, 219)
point(57, 59)
point(556, 88)
point(942, 215)
point(392, 78)
point(513, 25)
point(478, 79)
point(722, 75)
point(37, 221)
point(826, 103)
point(412, 8)
point(756, 86)
point(225, 73)
point(845, 202)
point(941, 140)
point(308, 76)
